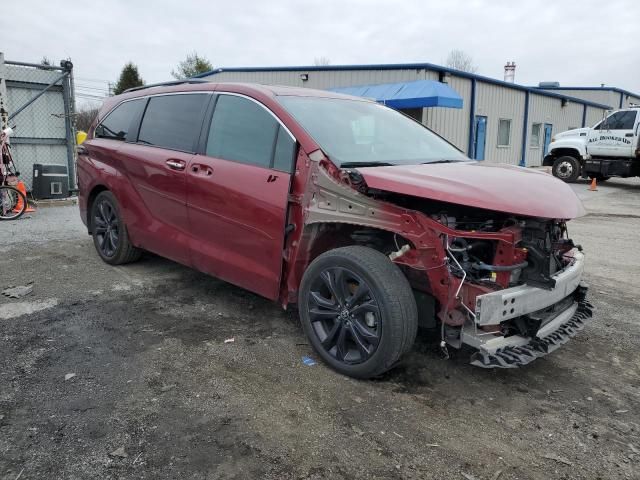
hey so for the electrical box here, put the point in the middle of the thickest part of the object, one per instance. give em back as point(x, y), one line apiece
point(50, 181)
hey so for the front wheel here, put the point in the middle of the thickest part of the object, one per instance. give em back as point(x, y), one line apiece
point(358, 310)
point(566, 169)
point(13, 203)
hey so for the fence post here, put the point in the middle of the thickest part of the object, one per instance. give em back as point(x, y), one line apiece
point(69, 127)
point(4, 113)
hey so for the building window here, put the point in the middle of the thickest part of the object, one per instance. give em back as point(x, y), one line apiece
point(504, 132)
point(534, 141)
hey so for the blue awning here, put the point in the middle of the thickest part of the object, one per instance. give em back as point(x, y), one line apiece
point(416, 94)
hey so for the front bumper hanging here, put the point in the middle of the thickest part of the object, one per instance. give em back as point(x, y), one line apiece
point(518, 351)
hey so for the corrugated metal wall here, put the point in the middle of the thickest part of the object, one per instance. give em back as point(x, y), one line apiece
point(452, 123)
point(549, 110)
point(604, 97)
point(594, 115)
point(496, 102)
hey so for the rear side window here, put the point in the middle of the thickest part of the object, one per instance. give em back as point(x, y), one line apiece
point(173, 121)
point(242, 131)
point(118, 123)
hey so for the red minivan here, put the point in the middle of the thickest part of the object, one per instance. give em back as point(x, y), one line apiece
point(368, 221)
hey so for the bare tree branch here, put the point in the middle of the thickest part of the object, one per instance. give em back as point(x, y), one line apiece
point(321, 61)
point(460, 60)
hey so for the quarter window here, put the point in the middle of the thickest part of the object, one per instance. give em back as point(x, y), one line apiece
point(173, 121)
point(242, 131)
point(118, 123)
point(504, 132)
point(284, 152)
point(535, 135)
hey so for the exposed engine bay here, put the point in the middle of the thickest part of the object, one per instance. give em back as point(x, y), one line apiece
point(507, 284)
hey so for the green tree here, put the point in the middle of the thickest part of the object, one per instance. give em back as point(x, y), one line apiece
point(129, 78)
point(191, 66)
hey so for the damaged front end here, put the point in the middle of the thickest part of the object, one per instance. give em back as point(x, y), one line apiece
point(507, 283)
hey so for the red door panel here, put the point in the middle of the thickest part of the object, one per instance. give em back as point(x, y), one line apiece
point(158, 177)
point(237, 216)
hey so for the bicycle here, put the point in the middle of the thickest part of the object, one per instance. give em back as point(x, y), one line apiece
point(13, 203)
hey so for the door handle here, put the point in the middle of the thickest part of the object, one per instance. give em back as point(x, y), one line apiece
point(176, 164)
point(629, 135)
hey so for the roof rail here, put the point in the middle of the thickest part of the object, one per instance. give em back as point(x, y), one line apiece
point(167, 84)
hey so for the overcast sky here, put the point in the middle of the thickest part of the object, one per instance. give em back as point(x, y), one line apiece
point(585, 42)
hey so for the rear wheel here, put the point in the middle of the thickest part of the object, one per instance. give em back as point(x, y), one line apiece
point(13, 203)
point(566, 168)
point(110, 235)
point(358, 310)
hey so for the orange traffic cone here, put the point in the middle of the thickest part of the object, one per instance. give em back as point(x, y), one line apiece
point(593, 187)
point(22, 189)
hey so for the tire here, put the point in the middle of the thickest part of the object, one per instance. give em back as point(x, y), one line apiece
point(109, 232)
point(375, 309)
point(566, 168)
point(10, 198)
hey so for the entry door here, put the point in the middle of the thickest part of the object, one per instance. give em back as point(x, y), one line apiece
point(237, 196)
point(548, 131)
point(156, 167)
point(614, 136)
point(480, 137)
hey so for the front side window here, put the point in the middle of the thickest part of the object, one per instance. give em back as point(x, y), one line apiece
point(173, 121)
point(242, 131)
point(117, 124)
point(619, 121)
point(353, 132)
point(504, 132)
point(535, 135)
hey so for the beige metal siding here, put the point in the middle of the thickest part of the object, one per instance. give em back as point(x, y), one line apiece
point(629, 100)
point(549, 110)
point(496, 102)
point(605, 97)
point(452, 123)
point(594, 115)
point(325, 79)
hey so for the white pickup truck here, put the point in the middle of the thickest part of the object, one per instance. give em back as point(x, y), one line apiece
point(609, 148)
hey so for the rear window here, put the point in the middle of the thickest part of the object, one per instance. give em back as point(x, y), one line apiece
point(173, 121)
point(117, 124)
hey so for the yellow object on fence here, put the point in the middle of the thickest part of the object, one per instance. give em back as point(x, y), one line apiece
point(80, 137)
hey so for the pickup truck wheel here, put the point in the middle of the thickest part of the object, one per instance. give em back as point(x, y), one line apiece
point(566, 168)
point(109, 232)
point(358, 311)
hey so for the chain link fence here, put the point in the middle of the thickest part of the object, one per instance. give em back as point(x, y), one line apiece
point(39, 101)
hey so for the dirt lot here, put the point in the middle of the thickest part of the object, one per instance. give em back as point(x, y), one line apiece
point(157, 393)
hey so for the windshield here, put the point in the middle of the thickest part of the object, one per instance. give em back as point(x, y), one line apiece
point(353, 132)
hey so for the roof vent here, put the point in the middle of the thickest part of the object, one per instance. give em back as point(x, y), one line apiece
point(549, 84)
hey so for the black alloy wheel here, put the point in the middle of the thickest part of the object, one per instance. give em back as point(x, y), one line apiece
point(106, 227)
point(110, 235)
point(358, 310)
point(345, 315)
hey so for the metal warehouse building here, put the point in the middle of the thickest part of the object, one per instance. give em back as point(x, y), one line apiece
point(498, 121)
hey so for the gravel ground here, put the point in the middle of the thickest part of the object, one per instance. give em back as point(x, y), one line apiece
point(123, 372)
